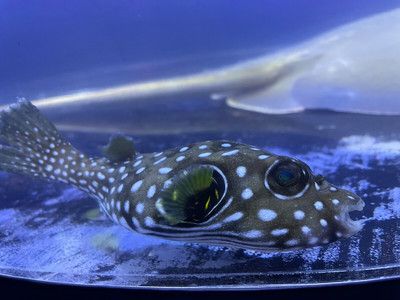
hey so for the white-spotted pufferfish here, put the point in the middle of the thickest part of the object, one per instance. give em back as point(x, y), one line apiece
point(215, 192)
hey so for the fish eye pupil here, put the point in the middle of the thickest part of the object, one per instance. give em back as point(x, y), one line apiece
point(286, 177)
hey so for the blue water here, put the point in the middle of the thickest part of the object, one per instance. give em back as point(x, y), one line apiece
point(41, 42)
point(54, 233)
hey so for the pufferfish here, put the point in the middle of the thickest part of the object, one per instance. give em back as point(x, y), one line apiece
point(214, 192)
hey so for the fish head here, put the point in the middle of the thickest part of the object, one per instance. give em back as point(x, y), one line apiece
point(284, 205)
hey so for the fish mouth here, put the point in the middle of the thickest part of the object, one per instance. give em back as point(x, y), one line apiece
point(352, 226)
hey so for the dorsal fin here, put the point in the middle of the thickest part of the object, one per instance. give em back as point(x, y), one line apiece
point(120, 148)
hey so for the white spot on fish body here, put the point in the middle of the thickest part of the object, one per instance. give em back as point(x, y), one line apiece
point(205, 154)
point(202, 147)
point(279, 231)
point(317, 187)
point(167, 183)
point(151, 191)
point(127, 206)
point(299, 215)
point(180, 158)
point(183, 149)
point(158, 154)
point(140, 170)
point(164, 170)
point(305, 229)
point(253, 234)
point(323, 222)
point(247, 193)
point(333, 189)
point(230, 153)
point(136, 223)
point(241, 171)
point(318, 205)
point(267, 215)
point(49, 168)
point(120, 188)
point(160, 160)
point(122, 170)
point(262, 157)
point(234, 217)
point(335, 201)
point(136, 186)
point(118, 205)
point(149, 222)
point(292, 242)
point(139, 208)
point(226, 145)
point(137, 163)
point(100, 176)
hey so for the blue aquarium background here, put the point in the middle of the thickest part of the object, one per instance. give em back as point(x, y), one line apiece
point(54, 233)
point(50, 47)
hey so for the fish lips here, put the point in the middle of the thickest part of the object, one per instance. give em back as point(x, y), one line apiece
point(349, 225)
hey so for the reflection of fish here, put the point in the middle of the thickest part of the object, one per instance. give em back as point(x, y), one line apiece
point(215, 192)
point(355, 67)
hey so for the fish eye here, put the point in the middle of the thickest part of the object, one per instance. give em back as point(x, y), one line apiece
point(287, 178)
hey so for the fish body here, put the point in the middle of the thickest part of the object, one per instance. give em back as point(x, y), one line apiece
point(215, 192)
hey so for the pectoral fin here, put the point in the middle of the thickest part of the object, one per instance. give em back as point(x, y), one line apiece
point(276, 98)
point(275, 95)
point(268, 104)
point(192, 197)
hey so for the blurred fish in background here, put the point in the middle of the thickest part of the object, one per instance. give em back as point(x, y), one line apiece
point(353, 67)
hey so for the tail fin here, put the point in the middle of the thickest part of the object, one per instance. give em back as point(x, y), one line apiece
point(34, 147)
